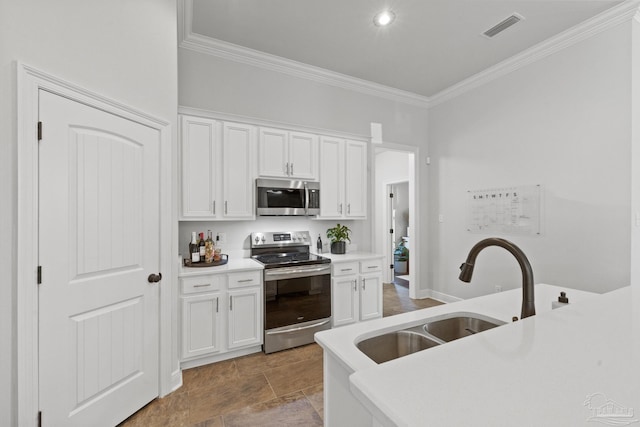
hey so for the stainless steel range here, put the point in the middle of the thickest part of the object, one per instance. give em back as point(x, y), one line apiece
point(297, 288)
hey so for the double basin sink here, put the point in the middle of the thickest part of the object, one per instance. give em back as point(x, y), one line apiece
point(434, 332)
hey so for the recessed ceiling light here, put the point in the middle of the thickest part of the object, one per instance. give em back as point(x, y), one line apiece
point(384, 18)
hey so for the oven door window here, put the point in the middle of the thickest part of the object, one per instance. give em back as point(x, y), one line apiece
point(291, 301)
point(281, 198)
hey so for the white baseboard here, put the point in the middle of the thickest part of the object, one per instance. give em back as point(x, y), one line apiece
point(439, 296)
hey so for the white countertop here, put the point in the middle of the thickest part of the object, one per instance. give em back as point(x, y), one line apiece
point(351, 256)
point(537, 371)
point(234, 264)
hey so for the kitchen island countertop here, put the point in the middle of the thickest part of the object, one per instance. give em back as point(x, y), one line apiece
point(563, 367)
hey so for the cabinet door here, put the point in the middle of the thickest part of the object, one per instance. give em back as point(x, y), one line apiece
point(198, 141)
point(273, 153)
point(356, 179)
point(370, 296)
point(331, 177)
point(238, 159)
point(344, 301)
point(200, 325)
point(245, 317)
point(303, 148)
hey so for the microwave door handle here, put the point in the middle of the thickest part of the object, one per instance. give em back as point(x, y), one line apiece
point(306, 199)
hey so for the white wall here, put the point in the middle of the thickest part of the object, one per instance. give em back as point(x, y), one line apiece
point(218, 85)
point(124, 50)
point(563, 122)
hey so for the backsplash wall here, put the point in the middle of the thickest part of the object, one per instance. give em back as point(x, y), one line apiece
point(238, 232)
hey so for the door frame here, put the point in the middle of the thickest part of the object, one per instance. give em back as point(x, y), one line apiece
point(414, 211)
point(29, 82)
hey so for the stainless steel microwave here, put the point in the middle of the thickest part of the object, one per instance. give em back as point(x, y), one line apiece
point(287, 197)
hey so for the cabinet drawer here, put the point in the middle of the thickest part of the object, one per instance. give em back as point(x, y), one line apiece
point(192, 285)
point(344, 268)
point(371, 265)
point(245, 278)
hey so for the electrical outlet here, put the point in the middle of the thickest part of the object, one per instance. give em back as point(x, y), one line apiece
point(221, 238)
point(498, 288)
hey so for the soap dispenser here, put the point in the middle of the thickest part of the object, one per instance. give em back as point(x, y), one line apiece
point(319, 245)
point(563, 300)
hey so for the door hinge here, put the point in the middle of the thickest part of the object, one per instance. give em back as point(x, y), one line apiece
point(391, 266)
point(39, 280)
point(391, 195)
point(39, 131)
point(391, 231)
point(39, 418)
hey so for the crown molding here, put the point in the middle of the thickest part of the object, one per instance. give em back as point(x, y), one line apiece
point(229, 51)
point(187, 39)
point(589, 28)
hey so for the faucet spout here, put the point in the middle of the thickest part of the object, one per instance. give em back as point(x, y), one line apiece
point(466, 270)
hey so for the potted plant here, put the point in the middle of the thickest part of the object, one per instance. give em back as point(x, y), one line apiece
point(338, 236)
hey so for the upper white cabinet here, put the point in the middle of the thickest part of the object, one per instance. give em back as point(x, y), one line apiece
point(343, 179)
point(284, 154)
point(218, 169)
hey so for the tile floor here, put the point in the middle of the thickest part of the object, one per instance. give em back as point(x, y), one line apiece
point(279, 389)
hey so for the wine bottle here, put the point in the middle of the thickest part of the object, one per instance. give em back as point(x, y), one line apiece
point(201, 247)
point(208, 248)
point(194, 249)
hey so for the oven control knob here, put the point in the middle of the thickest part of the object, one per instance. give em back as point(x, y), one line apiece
point(257, 239)
point(263, 239)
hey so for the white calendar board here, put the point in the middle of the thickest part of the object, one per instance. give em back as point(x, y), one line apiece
point(507, 210)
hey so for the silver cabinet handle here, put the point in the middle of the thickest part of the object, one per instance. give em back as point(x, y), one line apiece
point(214, 207)
point(225, 208)
point(340, 207)
point(346, 269)
point(230, 302)
point(291, 168)
point(245, 280)
point(373, 266)
point(349, 208)
point(204, 285)
point(287, 168)
point(364, 283)
point(217, 303)
point(355, 285)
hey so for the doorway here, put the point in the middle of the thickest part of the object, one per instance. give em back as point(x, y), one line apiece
point(398, 208)
point(394, 219)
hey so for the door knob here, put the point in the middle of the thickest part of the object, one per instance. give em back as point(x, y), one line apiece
point(154, 278)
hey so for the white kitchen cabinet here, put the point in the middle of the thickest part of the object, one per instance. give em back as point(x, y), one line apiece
point(221, 313)
point(343, 179)
point(285, 154)
point(344, 295)
point(218, 169)
point(200, 325)
point(245, 317)
point(238, 166)
point(200, 141)
point(356, 291)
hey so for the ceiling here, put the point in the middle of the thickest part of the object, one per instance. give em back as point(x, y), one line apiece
point(432, 45)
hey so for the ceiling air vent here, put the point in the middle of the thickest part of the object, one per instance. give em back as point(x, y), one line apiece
point(500, 27)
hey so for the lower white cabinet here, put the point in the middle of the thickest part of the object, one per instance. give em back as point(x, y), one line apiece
point(356, 291)
point(245, 317)
point(221, 312)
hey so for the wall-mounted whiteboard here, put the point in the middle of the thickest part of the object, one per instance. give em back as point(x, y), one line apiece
point(507, 210)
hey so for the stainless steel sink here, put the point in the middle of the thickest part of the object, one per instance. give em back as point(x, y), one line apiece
point(396, 344)
point(459, 326)
point(436, 331)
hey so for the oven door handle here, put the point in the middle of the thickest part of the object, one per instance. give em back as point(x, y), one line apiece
point(294, 272)
point(301, 328)
point(306, 198)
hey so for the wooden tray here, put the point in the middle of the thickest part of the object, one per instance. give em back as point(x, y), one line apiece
point(224, 258)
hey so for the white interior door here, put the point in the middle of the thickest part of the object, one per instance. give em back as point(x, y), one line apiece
point(98, 244)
